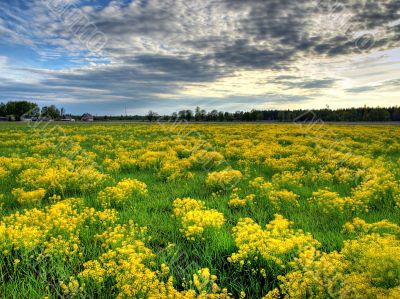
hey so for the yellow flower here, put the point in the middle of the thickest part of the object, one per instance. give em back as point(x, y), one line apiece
point(3, 173)
point(224, 179)
point(365, 268)
point(196, 218)
point(235, 201)
point(332, 202)
point(271, 245)
point(28, 196)
point(122, 192)
point(93, 271)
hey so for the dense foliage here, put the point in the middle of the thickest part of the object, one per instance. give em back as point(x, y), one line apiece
point(364, 114)
point(17, 109)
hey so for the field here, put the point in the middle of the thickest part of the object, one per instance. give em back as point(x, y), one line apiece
point(199, 211)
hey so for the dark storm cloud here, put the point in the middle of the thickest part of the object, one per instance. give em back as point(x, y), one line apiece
point(148, 22)
point(273, 19)
point(278, 23)
point(243, 55)
point(375, 13)
point(194, 68)
point(122, 81)
point(288, 26)
point(143, 76)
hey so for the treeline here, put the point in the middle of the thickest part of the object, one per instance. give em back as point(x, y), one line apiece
point(365, 114)
point(18, 110)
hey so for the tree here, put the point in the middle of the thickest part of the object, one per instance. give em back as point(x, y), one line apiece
point(213, 115)
point(199, 114)
point(395, 114)
point(19, 108)
point(221, 116)
point(35, 112)
point(2, 109)
point(379, 114)
point(151, 116)
point(238, 115)
point(182, 114)
point(51, 111)
point(188, 115)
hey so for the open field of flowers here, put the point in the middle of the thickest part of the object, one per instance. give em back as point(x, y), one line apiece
point(199, 211)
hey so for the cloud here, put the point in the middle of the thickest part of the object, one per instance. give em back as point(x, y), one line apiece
point(361, 89)
point(318, 27)
point(304, 83)
point(3, 61)
point(242, 55)
point(381, 86)
point(160, 50)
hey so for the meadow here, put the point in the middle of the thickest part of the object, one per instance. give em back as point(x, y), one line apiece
point(199, 211)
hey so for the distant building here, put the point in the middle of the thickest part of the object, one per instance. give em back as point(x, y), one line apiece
point(87, 117)
point(4, 118)
point(45, 118)
point(26, 117)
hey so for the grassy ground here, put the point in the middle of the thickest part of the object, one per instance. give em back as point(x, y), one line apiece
point(277, 153)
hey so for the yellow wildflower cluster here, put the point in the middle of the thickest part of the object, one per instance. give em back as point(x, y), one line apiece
point(3, 173)
point(11, 164)
point(283, 197)
point(278, 198)
point(367, 267)
point(173, 163)
point(52, 231)
point(261, 184)
point(327, 178)
point(185, 205)
point(93, 271)
point(111, 165)
point(150, 160)
point(359, 226)
point(332, 202)
point(378, 188)
point(173, 169)
point(203, 159)
point(122, 192)
point(235, 201)
point(127, 260)
point(225, 179)
point(196, 218)
point(72, 288)
point(62, 178)
point(28, 197)
point(204, 285)
point(270, 245)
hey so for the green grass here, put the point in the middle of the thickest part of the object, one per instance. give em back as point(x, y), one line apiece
point(155, 212)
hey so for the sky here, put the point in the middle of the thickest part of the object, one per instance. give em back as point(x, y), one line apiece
point(108, 57)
